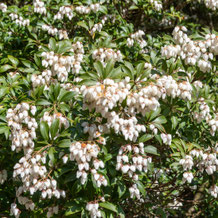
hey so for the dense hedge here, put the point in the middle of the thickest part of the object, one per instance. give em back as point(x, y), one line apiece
point(108, 108)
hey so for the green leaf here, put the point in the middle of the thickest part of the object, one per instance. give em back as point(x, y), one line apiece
point(109, 68)
point(74, 209)
point(13, 60)
point(56, 90)
point(155, 113)
point(158, 139)
point(133, 7)
point(121, 212)
point(161, 212)
point(129, 69)
point(141, 188)
point(67, 96)
point(71, 177)
point(51, 152)
point(174, 121)
point(3, 129)
point(26, 63)
point(83, 24)
point(3, 91)
point(5, 68)
point(65, 143)
point(159, 126)
point(121, 189)
point(129, 65)
point(151, 150)
point(109, 206)
point(52, 44)
point(140, 68)
point(43, 102)
point(99, 68)
point(44, 130)
point(64, 107)
point(160, 120)
point(115, 73)
point(145, 138)
point(54, 127)
point(64, 46)
point(153, 56)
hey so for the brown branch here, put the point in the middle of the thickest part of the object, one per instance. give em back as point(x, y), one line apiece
point(197, 199)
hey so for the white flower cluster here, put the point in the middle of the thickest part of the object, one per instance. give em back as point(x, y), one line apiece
point(19, 20)
point(104, 97)
point(129, 128)
point(13, 74)
point(205, 161)
point(95, 131)
point(137, 36)
point(49, 119)
point(3, 176)
point(213, 190)
point(170, 51)
point(15, 211)
point(62, 34)
point(187, 162)
point(132, 158)
point(28, 203)
point(153, 129)
point(52, 211)
point(105, 54)
point(157, 4)
point(93, 209)
point(78, 50)
point(39, 7)
point(187, 176)
point(148, 65)
point(44, 79)
point(166, 22)
point(212, 41)
point(87, 9)
point(70, 87)
point(60, 65)
point(134, 191)
point(64, 10)
point(86, 154)
point(192, 52)
point(3, 7)
point(34, 176)
point(98, 26)
point(212, 4)
point(213, 123)
point(68, 10)
point(23, 127)
point(204, 113)
point(175, 204)
point(198, 84)
point(146, 99)
point(209, 163)
point(166, 138)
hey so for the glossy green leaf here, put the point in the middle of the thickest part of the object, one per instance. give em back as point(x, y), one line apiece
point(54, 128)
point(44, 129)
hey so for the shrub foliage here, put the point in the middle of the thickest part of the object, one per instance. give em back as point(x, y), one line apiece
point(108, 108)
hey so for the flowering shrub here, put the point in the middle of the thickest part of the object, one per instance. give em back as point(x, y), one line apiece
point(108, 108)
